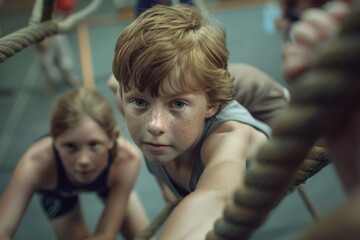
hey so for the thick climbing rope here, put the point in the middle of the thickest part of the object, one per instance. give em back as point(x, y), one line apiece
point(317, 158)
point(330, 85)
point(41, 26)
point(17, 41)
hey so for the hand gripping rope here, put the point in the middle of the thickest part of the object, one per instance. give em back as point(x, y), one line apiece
point(321, 95)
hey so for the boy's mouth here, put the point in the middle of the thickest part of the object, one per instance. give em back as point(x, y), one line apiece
point(155, 146)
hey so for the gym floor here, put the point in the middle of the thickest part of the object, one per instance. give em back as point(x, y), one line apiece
point(24, 106)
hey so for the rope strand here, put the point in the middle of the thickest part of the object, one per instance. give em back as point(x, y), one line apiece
point(41, 27)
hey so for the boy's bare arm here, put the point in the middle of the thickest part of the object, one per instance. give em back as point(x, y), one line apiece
point(226, 154)
point(195, 215)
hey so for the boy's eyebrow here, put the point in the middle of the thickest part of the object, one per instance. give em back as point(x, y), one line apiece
point(171, 95)
point(178, 95)
point(174, 95)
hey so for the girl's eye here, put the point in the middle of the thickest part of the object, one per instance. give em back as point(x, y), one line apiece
point(69, 147)
point(177, 104)
point(139, 102)
point(94, 145)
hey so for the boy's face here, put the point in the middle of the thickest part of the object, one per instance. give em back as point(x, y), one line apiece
point(166, 127)
point(84, 151)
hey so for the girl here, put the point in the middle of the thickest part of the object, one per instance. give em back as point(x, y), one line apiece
point(83, 152)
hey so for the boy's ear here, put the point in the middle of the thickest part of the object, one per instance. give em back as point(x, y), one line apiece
point(115, 134)
point(212, 109)
point(119, 102)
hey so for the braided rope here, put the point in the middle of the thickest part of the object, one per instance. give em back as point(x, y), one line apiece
point(317, 159)
point(41, 27)
point(332, 80)
point(73, 19)
point(17, 41)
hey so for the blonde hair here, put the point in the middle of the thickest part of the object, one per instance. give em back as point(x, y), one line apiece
point(174, 41)
point(76, 105)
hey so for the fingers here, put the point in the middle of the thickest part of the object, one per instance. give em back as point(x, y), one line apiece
point(295, 61)
point(316, 26)
point(338, 9)
point(307, 35)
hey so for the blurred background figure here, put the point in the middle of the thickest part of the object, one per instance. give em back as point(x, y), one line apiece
point(292, 10)
point(54, 53)
point(142, 5)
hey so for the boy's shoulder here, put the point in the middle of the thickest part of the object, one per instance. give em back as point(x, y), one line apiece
point(234, 111)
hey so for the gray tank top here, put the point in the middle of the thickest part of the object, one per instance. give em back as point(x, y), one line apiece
point(233, 111)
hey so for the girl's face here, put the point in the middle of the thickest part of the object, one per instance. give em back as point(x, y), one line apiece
point(166, 127)
point(84, 151)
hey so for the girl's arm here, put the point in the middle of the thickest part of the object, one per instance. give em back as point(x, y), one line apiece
point(224, 154)
point(27, 178)
point(122, 177)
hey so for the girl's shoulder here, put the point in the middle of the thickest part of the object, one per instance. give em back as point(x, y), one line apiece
point(126, 163)
point(127, 152)
point(39, 160)
point(40, 152)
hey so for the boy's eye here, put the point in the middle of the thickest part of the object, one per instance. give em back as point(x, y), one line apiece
point(139, 102)
point(177, 104)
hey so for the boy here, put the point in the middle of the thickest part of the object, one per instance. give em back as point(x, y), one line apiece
point(177, 98)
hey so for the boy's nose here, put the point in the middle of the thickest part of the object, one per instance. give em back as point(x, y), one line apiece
point(156, 123)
